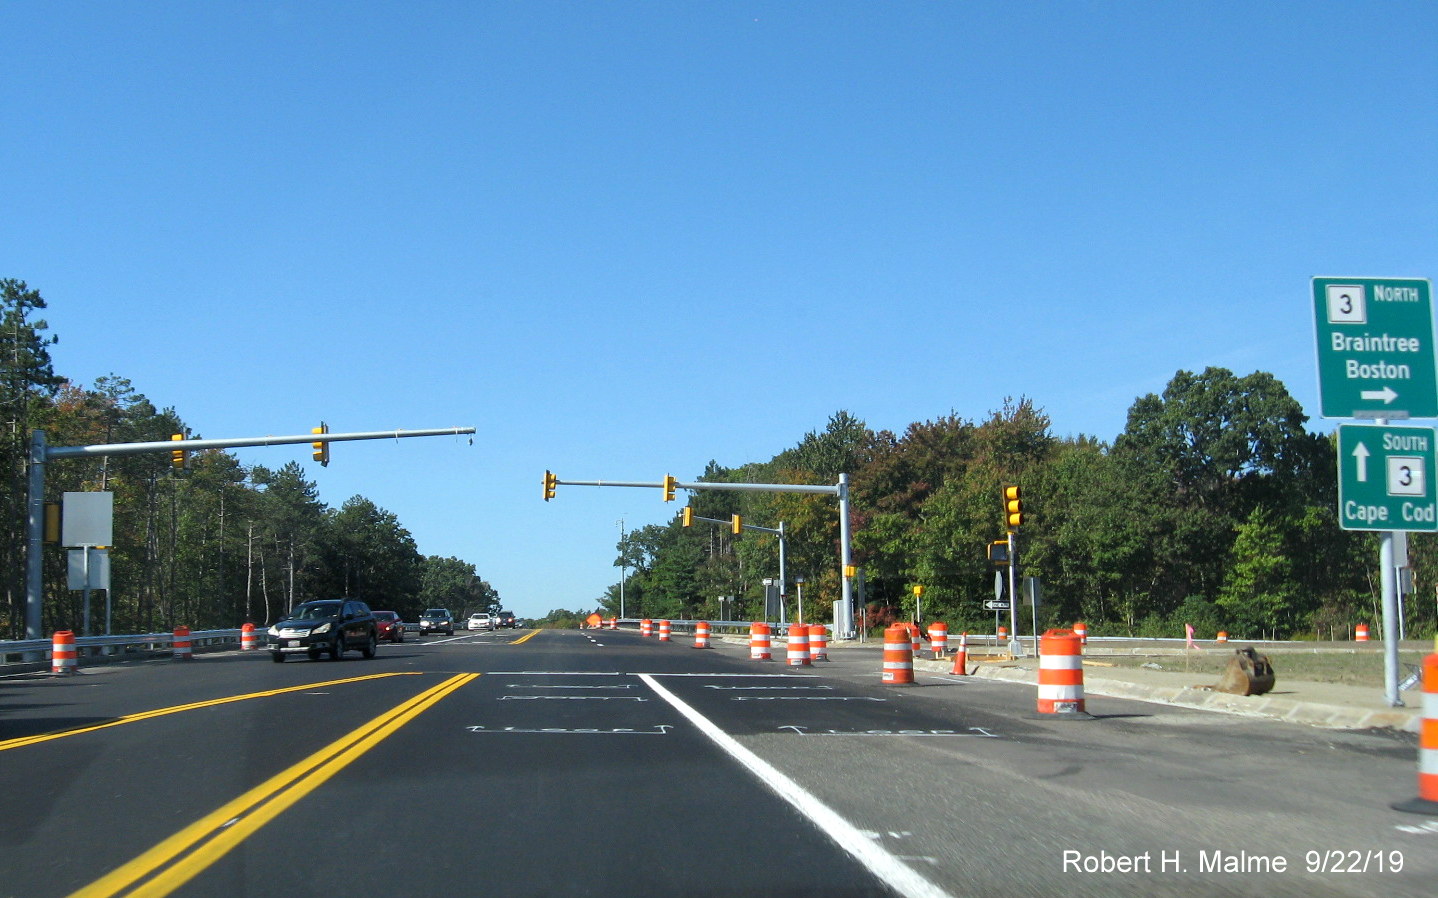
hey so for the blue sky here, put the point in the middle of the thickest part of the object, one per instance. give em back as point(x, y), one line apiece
point(622, 239)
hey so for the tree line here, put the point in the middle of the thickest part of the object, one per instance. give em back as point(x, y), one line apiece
point(1215, 507)
point(211, 546)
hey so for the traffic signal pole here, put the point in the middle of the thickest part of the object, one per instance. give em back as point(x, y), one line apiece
point(839, 490)
point(41, 452)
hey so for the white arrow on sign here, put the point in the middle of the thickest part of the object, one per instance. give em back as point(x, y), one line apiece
point(1386, 394)
point(1360, 454)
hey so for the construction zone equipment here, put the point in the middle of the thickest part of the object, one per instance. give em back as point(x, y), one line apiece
point(1360, 633)
point(1061, 674)
point(961, 656)
point(63, 659)
point(646, 627)
point(939, 638)
point(915, 639)
point(664, 631)
point(898, 655)
point(701, 634)
point(759, 642)
point(182, 645)
point(249, 639)
point(1248, 673)
point(798, 653)
point(818, 642)
point(1081, 631)
point(613, 623)
point(1426, 801)
point(1222, 636)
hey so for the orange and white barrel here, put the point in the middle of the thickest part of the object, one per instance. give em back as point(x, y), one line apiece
point(664, 631)
point(1060, 673)
point(759, 642)
point(1360, 633)
point(182, 644)
point(1003, 635)
point(612, 623)
point(961, 657)
point(1081, 631)
point(701, 634)
point(898, 655)
point(1427, 800)
point(249, 639)
point(939, 638)
point(1222, 636)
point(818, 642)
point(798, 653)
point(915, 639)
point(63, 659)
point(646, 627)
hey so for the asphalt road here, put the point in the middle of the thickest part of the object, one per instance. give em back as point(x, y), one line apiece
point(600, 763)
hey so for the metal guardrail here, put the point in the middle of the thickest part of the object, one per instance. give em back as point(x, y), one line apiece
point(14, 651)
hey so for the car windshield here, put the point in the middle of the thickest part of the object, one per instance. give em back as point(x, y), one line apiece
point(386, 615)
point(434, 614)
point(316, 611)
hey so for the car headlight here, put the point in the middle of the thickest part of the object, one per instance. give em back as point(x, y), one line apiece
point(274, 631)
point(322, 628)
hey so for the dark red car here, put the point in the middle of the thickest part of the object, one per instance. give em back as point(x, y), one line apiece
point(390, 626)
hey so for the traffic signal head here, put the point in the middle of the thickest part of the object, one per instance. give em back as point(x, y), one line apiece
point(918, 590)
point(668, 488)
point(550, 482)
point(178, 457)
point(321, 447)
point(1013, 508)
point(736, 525)
point(851, 571)
point(688, 517)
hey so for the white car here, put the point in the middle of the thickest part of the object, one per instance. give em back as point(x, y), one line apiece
point(481, 621)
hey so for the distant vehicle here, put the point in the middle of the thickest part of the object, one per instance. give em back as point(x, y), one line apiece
point(481, 621)
point(390, 626)
point(506, 619)
point(325, 625)
point(435, 619)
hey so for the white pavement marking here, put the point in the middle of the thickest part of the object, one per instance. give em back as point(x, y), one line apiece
point(878, 861)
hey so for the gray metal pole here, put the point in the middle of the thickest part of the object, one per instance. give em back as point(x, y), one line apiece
point(846, 601)
point(1015, 646)
point(1389, 580)
point(35, 538)
point(783, 574)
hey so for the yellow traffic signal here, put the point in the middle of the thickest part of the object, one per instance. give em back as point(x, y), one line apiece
point(918, 590)
point(688, 518)
point(178, 457)
point(1013, 508)
point(550, 482)
point(668, 488)
point(851, 571)
point(322, 448)
point(736, 525)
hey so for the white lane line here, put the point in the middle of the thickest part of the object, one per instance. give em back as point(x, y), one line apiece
point(850, 838)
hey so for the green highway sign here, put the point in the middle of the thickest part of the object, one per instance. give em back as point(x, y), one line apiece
point(1386, 478)
point(1375, 347)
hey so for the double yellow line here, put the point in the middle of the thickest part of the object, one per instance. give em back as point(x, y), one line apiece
point(181, 857)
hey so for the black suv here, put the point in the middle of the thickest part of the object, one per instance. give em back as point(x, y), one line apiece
point(506, 618)
point(435, 619)
point(325, 625)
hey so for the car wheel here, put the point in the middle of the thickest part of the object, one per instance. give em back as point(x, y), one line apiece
point(277, 657)
point(371, 646)
point(337, 651)
point(400, 637)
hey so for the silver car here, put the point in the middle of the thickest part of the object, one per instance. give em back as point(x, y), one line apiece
point(481, 621)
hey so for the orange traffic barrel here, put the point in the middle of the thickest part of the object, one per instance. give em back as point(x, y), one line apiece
point(1081, 631)
point(914, 639)
point(63, 659)
point(1060, 673)
point(664, 631)
point(939, 638)
point(646, 627)
point(898, 655)
point(1222, 636)
point(1427, 800)
point(798, 653)
point(961, 657)
point(182, 644)
point(1360, 633)
point(759, 642)
point(818, 642)
point(1003, 634)
point(701, 634)
point(249, 640)
point(613, 623)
